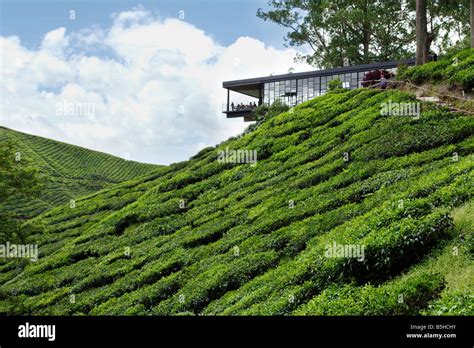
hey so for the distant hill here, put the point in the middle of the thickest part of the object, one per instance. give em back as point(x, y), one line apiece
point(67, 171)
point(214, 238)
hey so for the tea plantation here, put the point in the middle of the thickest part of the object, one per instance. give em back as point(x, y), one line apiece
point(67, 171)
point(202, 237)
point(457, 70)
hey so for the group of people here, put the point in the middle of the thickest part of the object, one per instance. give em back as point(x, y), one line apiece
point(243, 107)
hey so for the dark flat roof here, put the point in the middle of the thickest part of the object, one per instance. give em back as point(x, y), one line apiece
point(253, 83)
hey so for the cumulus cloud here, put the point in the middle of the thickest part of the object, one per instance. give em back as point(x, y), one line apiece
point(55, 41)
point(145, 88)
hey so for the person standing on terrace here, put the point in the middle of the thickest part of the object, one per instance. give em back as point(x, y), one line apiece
point(383, 81)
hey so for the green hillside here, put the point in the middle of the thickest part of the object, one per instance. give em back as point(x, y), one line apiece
point(457, 70)
point(204, 237)
point(67, 171)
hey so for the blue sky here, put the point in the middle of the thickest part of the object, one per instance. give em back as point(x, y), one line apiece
point(149, 79)
point(225, 20)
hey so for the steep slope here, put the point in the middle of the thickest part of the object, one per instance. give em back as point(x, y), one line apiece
point(449, 81)
point(68, 172)
point(205, 237)
point(456, 70)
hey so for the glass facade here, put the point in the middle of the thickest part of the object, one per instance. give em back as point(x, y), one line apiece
point(296, 91)
point(284, 90)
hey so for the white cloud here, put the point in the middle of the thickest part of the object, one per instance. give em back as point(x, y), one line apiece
point(55, 41)
point(157, 94)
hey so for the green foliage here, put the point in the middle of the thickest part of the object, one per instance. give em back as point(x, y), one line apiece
point(403, 296)
point(402, 68)
point(464, 78)
point(205, 238)
point(264, 112)
point(363, 31)
point(335, 84)
point(456, 69)
point(66, 172)
point(453, 304)
point(17, 179)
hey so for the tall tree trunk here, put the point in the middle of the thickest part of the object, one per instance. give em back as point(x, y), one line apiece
point(366, 33)
point(421, 32)
point(472, 23)
point(365, 44)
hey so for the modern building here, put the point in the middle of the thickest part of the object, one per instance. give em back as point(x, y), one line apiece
point(295, 88)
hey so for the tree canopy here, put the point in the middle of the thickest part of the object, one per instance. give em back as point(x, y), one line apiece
point(364, 31)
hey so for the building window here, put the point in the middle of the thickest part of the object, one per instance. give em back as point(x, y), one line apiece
point(353, 80)
point(361, 77)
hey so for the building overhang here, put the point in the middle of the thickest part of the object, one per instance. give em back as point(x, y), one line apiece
point(250, 89)
point(248, 115)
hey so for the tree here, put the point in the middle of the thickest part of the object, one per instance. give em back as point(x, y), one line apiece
point(422, 45)
point(365, 31)
point(18, 179)
point(361, 30)
point(446, 20)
